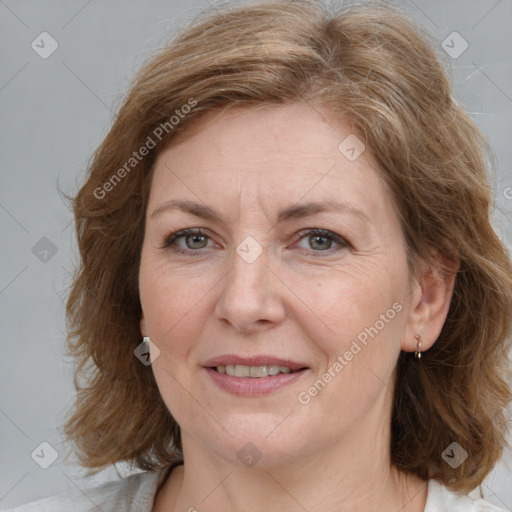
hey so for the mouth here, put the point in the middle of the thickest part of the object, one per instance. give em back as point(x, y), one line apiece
point(254, 372)
point(253, 376)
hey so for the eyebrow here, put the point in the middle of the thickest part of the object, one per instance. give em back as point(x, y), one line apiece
point(297, 211)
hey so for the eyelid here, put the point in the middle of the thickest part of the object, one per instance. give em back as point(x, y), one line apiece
point(169, 240)
point(322, 231)
point(341, 241)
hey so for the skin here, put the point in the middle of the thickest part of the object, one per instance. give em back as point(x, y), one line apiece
point(333, 452)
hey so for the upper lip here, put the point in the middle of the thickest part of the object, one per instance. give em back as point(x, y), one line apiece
point(261, 360)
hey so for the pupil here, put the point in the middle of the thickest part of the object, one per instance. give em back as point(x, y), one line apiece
point(195, 239)
point(320, 237)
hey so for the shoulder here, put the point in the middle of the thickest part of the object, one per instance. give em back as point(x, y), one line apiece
point(442, 499)
point(135, 492)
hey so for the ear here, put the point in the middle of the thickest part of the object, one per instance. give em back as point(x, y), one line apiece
point(430, 303)
point(142, 324)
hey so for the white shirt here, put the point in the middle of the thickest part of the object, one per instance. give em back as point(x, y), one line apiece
point(137, 492)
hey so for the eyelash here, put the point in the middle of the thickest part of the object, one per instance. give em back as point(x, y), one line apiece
point(170, 240)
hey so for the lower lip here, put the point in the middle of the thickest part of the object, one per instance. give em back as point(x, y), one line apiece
point(252, 386)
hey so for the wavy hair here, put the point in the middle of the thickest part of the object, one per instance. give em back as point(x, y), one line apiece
point(375, 68)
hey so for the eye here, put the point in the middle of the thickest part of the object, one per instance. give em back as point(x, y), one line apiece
point(322, 240)
point(194, 239)
point(191, 241)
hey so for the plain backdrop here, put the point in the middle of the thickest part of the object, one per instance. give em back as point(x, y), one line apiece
point(54, 111)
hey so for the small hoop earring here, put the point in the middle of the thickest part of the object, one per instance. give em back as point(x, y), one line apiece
point(417, 354)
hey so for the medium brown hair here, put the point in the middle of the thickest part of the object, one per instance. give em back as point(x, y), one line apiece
point(374, 67)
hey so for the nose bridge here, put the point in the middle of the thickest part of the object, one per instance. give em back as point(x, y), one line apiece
point(249, 294)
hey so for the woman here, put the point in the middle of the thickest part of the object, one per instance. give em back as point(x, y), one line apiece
point(290, 295)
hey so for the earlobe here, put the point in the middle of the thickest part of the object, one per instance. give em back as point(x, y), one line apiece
point(142, 324)
point(430, 305)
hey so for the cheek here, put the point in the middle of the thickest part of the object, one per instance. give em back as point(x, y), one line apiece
point(169, 298)
point(355, 319)
point(343, 303)
point(356, 324)
point(173, 310)
point(173, 307)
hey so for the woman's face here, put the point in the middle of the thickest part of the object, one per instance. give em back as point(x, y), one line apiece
point(254, 289)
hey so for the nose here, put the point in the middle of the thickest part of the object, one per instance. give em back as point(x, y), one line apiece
point(250, 297)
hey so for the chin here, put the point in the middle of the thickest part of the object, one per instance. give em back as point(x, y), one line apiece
point(262, 441)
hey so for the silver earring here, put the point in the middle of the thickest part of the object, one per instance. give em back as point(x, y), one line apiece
point(146, 339)
point(417, 354)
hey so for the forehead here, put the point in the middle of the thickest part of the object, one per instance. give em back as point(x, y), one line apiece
point(271, 154)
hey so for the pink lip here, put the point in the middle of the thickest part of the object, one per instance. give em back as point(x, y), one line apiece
point(248, 386)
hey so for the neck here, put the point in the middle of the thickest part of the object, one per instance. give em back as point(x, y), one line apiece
point(366, 481)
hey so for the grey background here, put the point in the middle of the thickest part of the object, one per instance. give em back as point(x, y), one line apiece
point(55, 111)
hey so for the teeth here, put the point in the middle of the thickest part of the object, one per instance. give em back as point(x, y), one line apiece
point(242, 371)
point(252, 371)
point(273, 370)
point(258, 371)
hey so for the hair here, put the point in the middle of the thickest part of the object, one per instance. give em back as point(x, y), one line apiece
point(372, 66)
